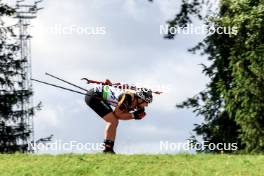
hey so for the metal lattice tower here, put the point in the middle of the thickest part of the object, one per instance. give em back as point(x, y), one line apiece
point(25, 13)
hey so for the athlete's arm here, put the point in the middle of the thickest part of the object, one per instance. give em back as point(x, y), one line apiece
point(122, 115)
point(123, 107)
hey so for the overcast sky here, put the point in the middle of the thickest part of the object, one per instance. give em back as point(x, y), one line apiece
point(132, 50)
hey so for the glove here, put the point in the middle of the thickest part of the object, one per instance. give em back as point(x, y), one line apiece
point(139, 114)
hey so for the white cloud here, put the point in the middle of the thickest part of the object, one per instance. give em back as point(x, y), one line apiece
point(48, 117)
point(168, 8)
point(135, 10)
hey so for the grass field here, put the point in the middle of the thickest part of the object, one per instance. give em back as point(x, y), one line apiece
point(127, 165)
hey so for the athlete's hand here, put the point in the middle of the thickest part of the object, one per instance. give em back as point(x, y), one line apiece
point(139, 114)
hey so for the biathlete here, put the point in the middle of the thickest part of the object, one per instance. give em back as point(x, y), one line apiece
point(127, 106)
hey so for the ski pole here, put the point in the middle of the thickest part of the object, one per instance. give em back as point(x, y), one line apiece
point(71, 90)
point(66, 81)
point(58, 86)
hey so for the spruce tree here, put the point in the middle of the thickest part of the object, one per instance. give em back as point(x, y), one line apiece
point(14, 98)
point(232, 104)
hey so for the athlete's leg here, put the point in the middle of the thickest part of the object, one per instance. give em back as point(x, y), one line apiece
point(104, 110)
point(111, 126)
point(110, 132)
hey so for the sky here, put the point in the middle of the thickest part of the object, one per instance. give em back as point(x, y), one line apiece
point(125, 46)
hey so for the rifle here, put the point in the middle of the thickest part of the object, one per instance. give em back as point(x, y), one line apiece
point(119, 85)
point(107, 82)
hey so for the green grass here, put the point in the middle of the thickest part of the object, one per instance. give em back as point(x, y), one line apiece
point(127, 165)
